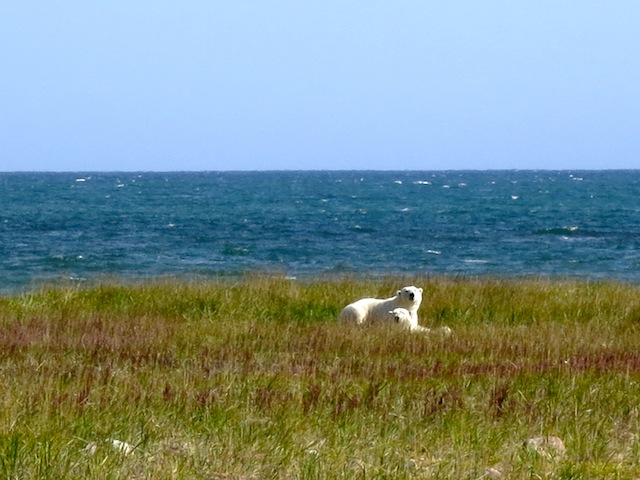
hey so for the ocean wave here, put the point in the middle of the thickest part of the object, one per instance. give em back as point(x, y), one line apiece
point(235, 251)
point(562, 231)
point(574, 232)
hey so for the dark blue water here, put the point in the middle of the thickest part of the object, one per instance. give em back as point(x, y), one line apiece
point(62, 226)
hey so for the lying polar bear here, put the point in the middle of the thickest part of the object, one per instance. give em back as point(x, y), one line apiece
point(402, 317)
point(375, 310)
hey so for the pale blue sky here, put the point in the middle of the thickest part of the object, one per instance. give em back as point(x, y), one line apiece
point(243, 84)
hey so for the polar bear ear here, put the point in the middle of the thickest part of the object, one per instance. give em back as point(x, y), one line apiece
point(420, 290)
point(399, 292)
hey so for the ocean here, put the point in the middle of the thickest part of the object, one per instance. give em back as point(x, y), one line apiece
point(79, 227)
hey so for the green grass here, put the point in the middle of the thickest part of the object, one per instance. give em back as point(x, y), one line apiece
point(254, 378)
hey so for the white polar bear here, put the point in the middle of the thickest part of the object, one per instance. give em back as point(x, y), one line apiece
point(374, 310)
point(402, 317)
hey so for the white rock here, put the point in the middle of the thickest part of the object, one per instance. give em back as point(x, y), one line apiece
point(410, 464)
point(91, 448)
point(123, 447)
point(312, 452)
point(493, 474)
point(549, 447)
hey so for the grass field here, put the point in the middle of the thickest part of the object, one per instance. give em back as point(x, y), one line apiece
point(254, 378)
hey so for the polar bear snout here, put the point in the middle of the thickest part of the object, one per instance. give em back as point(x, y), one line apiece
point(411, 296)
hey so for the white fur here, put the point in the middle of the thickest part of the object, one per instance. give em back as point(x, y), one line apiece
point(402, 317)
point(373, 310)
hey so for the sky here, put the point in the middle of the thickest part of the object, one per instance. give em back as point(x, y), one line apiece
point(308, 85)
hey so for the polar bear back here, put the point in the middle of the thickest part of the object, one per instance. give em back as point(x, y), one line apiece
point(366, 310)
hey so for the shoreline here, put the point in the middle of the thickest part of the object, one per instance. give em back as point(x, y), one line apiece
point(234, 277)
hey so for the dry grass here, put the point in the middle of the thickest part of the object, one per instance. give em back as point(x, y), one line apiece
point(255, 379)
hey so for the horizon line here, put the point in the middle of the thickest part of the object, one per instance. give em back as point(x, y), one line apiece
point(346, 170)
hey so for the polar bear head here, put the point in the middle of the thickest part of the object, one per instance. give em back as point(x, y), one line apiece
point(410, 297)
point(401, 316)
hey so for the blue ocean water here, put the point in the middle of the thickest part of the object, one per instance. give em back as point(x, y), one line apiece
point(84, 226)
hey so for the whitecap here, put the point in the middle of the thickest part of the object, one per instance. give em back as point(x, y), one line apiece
point(422, 182)
point(434, 252)
point(515, 197)
point(398, 182)
point(405, 209)
point(475, 260)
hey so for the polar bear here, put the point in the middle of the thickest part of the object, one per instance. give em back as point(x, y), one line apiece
point(402, 317)
point(374, 310)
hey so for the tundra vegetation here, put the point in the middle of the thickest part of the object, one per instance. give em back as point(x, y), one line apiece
point(254, 378)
